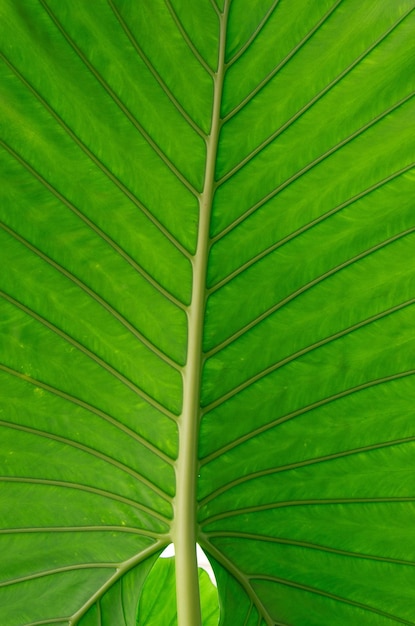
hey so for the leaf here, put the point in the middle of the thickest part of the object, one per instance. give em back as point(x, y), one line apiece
point(207, 308)
point(158, 601)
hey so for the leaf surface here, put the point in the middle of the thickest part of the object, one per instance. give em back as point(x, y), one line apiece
point(207, 241)
point(158, 600)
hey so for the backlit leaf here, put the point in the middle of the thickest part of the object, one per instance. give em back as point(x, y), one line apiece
point(207, 308)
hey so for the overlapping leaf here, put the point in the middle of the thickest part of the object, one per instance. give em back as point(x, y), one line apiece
point(158, 600)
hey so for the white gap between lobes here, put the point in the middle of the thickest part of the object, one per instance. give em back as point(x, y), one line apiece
point(202, 560)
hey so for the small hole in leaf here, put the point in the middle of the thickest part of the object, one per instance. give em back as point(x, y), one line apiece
point(157, 604)
point(202, 560)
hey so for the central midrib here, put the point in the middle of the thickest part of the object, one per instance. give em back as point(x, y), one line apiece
point(184, 531)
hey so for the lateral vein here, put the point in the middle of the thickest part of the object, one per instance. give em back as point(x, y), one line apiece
point(93, 452)
point(254, 35)
point(311, 546)
point(91, 355)
point(326, 594)
point(306, 227)
point(95, 296)
point(307, 502)
point(315, 161)
point(111, 176)
point(276, 69)
point(187, 39)
point(293, 414)
point(156, 148)
point(306, 287)
point(318, 344)
point(154, 72)
point(92, 409)
point(300, 464)
point(98, 231)
point(88, 489)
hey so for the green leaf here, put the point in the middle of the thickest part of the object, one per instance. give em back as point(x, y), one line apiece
point(158, 600)
point(207, 308)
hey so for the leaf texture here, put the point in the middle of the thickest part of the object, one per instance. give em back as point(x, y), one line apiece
point(207, 240)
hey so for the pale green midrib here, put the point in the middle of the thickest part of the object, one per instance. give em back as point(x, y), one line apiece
point(184, 528)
